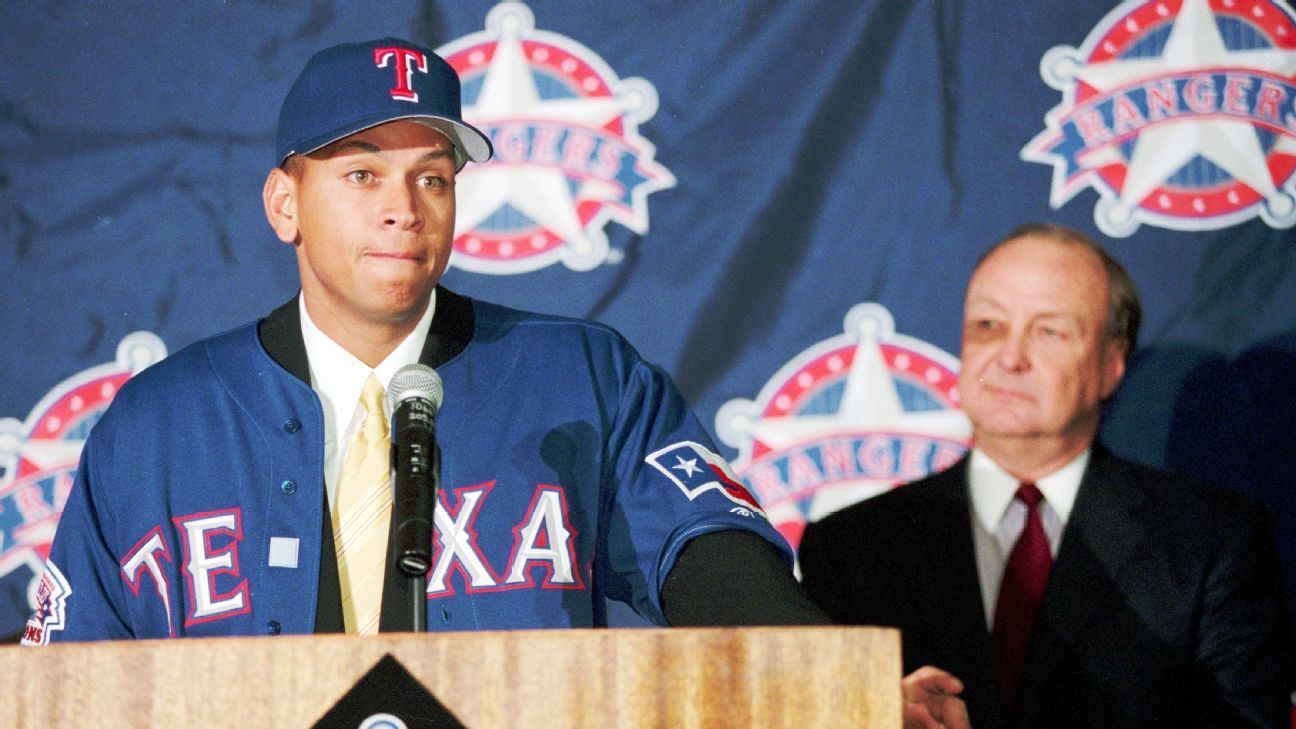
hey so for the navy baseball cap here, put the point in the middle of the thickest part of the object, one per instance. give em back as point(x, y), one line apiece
point(352, 87)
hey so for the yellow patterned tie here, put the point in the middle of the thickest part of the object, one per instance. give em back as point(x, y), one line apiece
point(362, 515)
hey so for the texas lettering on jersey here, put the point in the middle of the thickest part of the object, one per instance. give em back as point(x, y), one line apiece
point(208, 546)
point(543, 538)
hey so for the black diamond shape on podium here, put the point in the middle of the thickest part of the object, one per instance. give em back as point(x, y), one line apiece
point(389, 689)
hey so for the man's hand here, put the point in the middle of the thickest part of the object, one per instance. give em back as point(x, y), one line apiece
point(931, 700)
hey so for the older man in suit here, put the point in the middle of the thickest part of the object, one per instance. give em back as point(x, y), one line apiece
point(1064, 585)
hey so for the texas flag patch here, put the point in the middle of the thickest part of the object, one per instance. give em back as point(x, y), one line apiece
point(695, 470)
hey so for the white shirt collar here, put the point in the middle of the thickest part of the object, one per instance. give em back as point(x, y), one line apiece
point(993, 488)
point(339, 376)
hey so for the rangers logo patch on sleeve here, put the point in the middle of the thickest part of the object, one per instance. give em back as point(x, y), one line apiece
point(51, 607)
point(696, 470)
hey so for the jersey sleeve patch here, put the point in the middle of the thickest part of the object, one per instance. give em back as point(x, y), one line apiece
point(51, 606)
point(694, 469)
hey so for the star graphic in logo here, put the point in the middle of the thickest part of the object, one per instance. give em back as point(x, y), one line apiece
point(689, 467)
point(563, 164)
point(869, 402)
point(807, 451)
point(1158, 117)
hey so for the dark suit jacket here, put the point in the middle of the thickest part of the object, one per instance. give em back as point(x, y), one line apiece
point(1164, 605)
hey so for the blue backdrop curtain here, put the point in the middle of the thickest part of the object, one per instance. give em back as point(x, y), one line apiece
point(766, 167)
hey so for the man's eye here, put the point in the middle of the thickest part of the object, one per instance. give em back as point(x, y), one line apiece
point(360, 177)
point(1053, 333)
point(982, 330)
point(432, 181)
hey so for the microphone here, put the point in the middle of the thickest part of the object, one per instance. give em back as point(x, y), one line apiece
point(414, 396)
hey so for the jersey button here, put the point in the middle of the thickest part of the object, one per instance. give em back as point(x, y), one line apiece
point(292, 425)
point(288, 487)
point(273, 627)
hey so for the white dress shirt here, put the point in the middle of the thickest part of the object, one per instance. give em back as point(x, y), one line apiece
point(998, 518)
point(338, 377)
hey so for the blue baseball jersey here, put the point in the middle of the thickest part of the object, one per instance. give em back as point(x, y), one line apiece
point(572, 473)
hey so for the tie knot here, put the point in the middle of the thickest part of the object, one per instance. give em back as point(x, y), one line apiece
point(1029, 494)
point(372, 396)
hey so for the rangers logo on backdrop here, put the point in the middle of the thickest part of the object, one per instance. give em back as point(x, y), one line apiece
point(1179, 113)
point(38, 461)
point(846, 419)
point(568, 155)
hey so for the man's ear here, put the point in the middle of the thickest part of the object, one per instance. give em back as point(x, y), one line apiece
point(1115, 356)
point(280, 199)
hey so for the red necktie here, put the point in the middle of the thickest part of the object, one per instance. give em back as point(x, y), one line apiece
point(1025, 576)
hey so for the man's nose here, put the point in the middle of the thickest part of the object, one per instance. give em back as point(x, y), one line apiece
point(401, 207)
point(1012, 354)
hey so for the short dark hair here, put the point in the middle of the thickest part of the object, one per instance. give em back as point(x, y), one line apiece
point(294, 166)
point(1124, 313)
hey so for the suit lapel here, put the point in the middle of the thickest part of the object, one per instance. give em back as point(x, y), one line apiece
point(280, 334)
point(451, 329)
point(1107, 525)
point(949, 590)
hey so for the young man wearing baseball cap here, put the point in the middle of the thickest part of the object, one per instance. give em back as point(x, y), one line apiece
point(218, 496)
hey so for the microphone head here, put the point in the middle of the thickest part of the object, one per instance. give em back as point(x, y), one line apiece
point(415, 380)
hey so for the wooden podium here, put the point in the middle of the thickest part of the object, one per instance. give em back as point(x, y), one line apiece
point(747, 677)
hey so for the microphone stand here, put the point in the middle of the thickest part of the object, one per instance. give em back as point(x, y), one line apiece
point(414, 513)
point(418, 607)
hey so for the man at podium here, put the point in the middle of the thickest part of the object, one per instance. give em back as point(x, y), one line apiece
point(243, 485)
